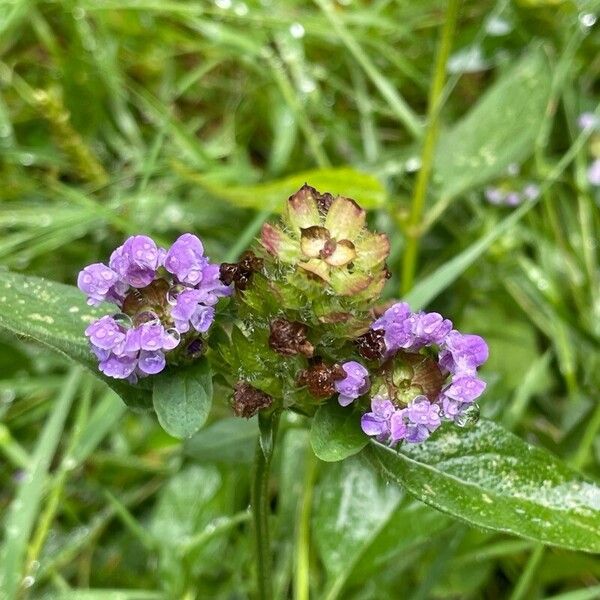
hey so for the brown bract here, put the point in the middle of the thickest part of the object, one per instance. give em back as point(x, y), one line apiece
point(288, 338)
point(247, 400)
point(320, 378)
point(240, 273)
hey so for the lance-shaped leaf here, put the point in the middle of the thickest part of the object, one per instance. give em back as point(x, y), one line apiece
point(490, 478)
point(56, 315)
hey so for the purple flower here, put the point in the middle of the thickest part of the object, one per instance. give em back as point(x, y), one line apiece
point(430, 328)
point(593, 173)
point(100, 283)
point(396, 325)
point(185, 259)
point(377, 422)
point(136, 261)
point(189, 310)
point(119, 367)
point(416, 422)
point(463, 353)
point(106, 334)
point(494, 195)
point(355, 384)
point(465, 388)
point(513, 199)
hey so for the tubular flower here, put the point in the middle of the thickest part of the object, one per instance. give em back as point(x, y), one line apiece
point(161, 295)
point(427, 373)
point(325, 238)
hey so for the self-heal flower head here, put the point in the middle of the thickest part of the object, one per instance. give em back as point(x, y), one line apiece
point(354, 384)
point(162, 308)
point(427, 371)
point(325, 239)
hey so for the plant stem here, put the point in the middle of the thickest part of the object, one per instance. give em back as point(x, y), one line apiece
point(260, 510)
point(524, 583)
point(302, 554)
point(434, 104)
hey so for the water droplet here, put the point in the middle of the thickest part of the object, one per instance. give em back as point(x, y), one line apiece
point(78, 13)
point(172, 332)
point(123, 320)
point(498, 26)
point(224, 4)
point(28, 581)
point(26, 159)
point(7, 396)
point(5, 131)
point(412, 164)
point(173, 293)
point(308, 85)
point(297, 30)
point(587, 20)
point(70, 463)
point(468, 417)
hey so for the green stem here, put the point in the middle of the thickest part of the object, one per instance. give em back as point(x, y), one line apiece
point(260, 509)
point(429, 142)
point(524, 582)
point(302, 554)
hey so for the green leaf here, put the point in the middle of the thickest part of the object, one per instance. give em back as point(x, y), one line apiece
point(501, 129)
point(361, 524)
point(344, 181)
point(231, 441)
point(490, 478)
point(56, 315)
point(182, 398)
point(352, 503)
point(335, 433)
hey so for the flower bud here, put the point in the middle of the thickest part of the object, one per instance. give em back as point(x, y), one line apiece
point(248, 400)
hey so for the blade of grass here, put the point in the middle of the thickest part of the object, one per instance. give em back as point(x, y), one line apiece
point(25, 505)
point(396, 102)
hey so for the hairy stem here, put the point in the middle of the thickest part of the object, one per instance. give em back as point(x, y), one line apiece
point(420, 192)
point(260, 510)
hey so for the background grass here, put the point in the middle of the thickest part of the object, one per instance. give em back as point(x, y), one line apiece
point(161, 117)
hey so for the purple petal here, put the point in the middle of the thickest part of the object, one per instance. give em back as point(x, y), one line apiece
point(151, 363)
point(119, 367)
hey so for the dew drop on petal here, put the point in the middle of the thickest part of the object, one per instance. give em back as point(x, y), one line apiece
point(173, 294)
point(468, 417)
point(123, 320)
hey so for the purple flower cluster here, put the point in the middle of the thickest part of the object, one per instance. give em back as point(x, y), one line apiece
point(459, 356)
point(405, 330)
point(354, 384)
point(163, 294)
point(502, 197)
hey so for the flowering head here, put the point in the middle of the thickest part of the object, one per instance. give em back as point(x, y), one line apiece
point(324, 238)
point(166, 300)
point(425, 369)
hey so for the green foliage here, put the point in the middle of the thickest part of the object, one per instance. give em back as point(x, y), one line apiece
point(335, 433)
point(490, 478)
point(182, 399)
